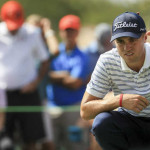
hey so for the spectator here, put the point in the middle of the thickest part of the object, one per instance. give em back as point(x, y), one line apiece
point(68, 74)
point(19, 76)
point(100, 45)
point(47, 32)
point(43, 25)
point(125, 70)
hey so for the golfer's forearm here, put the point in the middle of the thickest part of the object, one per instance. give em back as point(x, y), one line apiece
point(90, 109)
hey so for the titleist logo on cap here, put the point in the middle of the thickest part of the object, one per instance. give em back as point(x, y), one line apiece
point(119, 25)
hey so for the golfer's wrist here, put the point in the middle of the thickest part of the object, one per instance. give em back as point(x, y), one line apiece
point(120, 100)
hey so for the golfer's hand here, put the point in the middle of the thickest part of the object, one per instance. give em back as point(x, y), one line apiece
point(134, 102)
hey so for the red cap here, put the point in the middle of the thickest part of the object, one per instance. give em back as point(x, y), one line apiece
point(12, 13)
point(69, 21)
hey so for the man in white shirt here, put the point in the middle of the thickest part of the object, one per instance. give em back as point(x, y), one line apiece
point(126, 70)
point(19, 49)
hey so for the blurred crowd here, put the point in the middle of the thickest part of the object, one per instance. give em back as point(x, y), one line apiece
point(38, 71)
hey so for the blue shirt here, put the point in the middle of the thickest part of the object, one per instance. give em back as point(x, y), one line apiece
point(76, 63)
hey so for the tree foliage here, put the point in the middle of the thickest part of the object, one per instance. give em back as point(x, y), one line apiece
point(91, 12)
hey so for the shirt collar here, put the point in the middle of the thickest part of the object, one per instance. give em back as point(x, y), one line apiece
point(4, 30)
point(62, 47)
point(146, 62)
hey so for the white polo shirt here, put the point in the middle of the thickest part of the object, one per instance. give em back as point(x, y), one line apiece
point(17, 56)
point(111, 72)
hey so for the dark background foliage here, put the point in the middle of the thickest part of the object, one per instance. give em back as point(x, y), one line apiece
point(91, 12)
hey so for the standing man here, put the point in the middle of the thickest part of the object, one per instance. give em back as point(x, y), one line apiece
point(68, 75)
point(19, 76)
point(126, 70)
point(69, 70)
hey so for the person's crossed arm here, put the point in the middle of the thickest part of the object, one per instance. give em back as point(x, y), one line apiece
point(65, 79)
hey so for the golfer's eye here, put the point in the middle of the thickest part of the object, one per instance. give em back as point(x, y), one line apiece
point(132, 40)
point(120, 41)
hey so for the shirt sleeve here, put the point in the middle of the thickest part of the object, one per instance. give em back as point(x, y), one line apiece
point(99, 84)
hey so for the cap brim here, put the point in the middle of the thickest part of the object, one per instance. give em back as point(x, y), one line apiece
point(126, 34)
point(14, 25)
